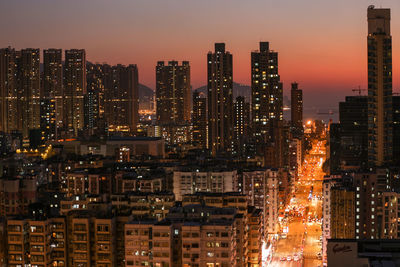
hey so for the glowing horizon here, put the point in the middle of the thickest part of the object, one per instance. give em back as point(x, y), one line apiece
point(322, 46)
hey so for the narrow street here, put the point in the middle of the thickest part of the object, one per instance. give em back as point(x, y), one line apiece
point(299, 241)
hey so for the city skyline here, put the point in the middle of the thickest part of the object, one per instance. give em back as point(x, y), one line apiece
point(98, 170)
point(301, 33)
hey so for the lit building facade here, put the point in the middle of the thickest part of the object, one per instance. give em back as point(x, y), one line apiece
point(199, 120)
point(10, 98)
point(267, 94)
point(241, 121)
point(380, 131)
point(74, 90)
point(53, 94)
point(220, 99)
point(173, 92)
point(189, 182)
point(122, 98)
point(29, 86)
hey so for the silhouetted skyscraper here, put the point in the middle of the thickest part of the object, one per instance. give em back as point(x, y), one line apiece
point(173, 92)
point(267, 94)
point(199, 119)
point(353, 116)
point(121, 97)
point(10, 98)
point(94, 99)
point(296, 110)
point(380, 143)
point(29, 85)
point(52, 96)
point(74, 90)
point(220, 102)
point(334, 143)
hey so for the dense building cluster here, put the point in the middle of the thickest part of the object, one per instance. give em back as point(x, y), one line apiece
point(97, 210)
point(361, 189)
point(86, 181)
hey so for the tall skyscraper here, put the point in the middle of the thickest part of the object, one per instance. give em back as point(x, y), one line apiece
point(199, 119)
point(380, 149)
point(296, 110)
point(52, 96)
point(74, 90)
point(94, 99)
point(173, 92)
point(220, 99)
point(121, 97)
point(267, 94)
point(29, 84)
point(10, 119)
point(241, 119)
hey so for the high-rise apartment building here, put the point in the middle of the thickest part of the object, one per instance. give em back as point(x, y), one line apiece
point(249, 226)
point(36, 241)
point(241, 120)
point(94, 99)
point(296, 110)
point(342, 208)
point(267, 94)
point(370, 187)
point(173, 92)
point(121, 94)
point(390, 210)
point(29, 84)
point(91, 237)
point(52, 95)
point(194, 235)
point(380, 149)
point(10, 98)
point(74, 90)
point(261, 188)
point(353, 116)
point(199, 119)
point(153, 240)
point(220, 99)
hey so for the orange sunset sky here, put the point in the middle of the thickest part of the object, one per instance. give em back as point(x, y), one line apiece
point(321, 44)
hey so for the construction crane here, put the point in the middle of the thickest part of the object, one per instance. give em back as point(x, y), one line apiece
point(358, 90)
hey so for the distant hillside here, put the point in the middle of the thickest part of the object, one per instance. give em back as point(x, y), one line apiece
point(146, 98)
point(238, 90)
point(145, 92)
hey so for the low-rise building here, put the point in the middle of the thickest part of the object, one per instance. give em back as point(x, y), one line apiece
point(196, 180)
point(144, 204)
